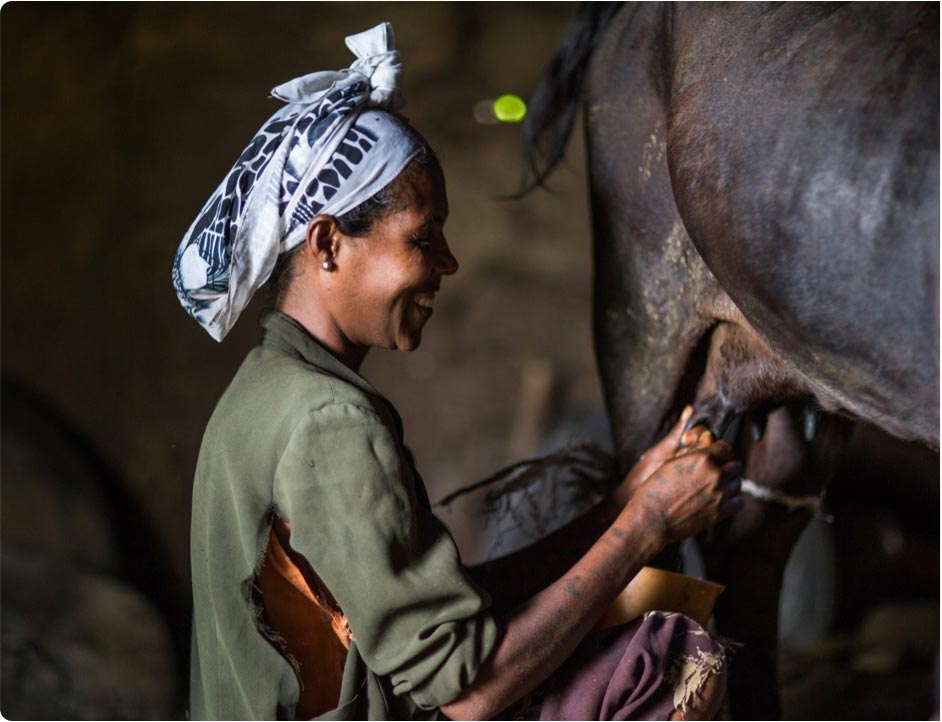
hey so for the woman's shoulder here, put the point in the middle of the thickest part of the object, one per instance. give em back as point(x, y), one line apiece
point(271, 382)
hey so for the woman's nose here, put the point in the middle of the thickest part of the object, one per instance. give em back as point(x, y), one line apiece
point(446, 264)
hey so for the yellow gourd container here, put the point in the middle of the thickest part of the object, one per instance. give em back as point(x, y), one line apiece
point(666, 592)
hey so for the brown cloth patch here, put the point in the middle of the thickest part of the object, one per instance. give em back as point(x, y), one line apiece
point(309, 627)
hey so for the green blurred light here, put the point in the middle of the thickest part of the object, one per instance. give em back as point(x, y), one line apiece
point(509, 109)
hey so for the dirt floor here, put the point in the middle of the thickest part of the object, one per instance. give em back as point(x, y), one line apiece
point(118, 122)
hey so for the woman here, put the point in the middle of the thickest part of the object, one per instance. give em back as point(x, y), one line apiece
point(304, 493)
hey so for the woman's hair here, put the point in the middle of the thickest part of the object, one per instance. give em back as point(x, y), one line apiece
point(359, 221)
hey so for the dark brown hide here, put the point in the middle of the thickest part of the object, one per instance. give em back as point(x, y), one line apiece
point(765, 185)
point(743, 373)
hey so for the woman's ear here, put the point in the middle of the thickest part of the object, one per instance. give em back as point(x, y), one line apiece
point(323, 241)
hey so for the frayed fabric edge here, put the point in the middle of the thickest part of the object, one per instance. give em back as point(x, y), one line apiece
point(252, 596)
point(689, 674)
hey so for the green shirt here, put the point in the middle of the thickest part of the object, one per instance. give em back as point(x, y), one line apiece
point(300, 435)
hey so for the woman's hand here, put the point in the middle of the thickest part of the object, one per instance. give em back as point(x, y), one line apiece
point(676, 442)
point(691, 492)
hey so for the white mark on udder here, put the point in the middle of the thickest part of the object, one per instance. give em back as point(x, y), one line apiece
point(651, 152)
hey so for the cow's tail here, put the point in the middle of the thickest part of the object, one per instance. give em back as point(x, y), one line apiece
point(554, 103)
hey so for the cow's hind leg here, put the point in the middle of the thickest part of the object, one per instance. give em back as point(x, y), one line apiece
point(749, 552)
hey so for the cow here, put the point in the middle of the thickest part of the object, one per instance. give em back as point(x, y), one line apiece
point(764, 184)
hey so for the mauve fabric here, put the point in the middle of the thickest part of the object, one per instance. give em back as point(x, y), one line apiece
point(625, 672)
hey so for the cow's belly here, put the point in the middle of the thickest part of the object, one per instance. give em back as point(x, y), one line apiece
point(807, 176)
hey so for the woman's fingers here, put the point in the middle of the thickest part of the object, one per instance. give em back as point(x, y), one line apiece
point(699, 487)
point(691, 436)
point(676, 435)
point(693, 439)
point(720, 451)
point(677, 441)
point(731, 470)
point(652, 459)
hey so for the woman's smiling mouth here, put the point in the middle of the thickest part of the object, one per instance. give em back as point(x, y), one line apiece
point(424, 301)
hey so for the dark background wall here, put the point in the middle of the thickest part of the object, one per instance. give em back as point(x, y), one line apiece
point(118, 121)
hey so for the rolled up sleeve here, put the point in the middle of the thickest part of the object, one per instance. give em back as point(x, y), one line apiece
point(394, 569)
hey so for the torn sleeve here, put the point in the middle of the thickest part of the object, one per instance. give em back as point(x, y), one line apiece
point(394, 569)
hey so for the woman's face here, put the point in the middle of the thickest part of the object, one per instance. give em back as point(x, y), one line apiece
point(391, 276)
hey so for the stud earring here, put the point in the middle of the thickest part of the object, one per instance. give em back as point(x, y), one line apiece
point(327, 265)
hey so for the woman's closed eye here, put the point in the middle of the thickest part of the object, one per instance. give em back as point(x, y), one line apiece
point(423, 242)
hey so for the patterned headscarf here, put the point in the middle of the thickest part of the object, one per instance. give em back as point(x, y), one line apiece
point(326, 151)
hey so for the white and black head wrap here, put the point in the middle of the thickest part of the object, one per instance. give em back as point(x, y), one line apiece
point(327, 151)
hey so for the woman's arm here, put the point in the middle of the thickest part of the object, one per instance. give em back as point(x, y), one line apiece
point(683, 497)
point(512, 579)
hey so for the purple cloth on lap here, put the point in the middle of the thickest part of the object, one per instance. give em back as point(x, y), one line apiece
point(634, 671)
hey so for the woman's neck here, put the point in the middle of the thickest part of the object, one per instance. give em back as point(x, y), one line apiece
point(324, 331)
